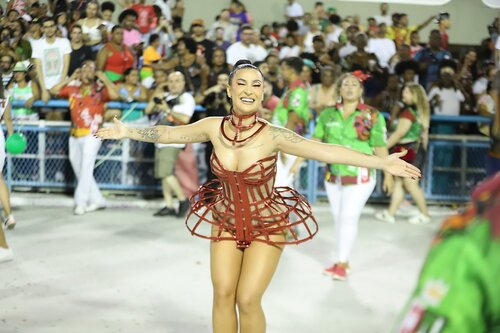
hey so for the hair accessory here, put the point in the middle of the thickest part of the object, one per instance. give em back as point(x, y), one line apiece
point(360, 75)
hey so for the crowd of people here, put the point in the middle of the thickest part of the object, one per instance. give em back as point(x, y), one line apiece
point(77, 51)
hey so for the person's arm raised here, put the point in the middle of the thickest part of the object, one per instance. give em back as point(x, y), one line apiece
point(196, 132)
point(294, 144)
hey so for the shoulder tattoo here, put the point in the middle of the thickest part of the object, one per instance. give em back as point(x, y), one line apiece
point(279, 132)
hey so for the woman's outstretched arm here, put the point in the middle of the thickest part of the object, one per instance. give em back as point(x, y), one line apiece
point(196, 132)
point(294, 144)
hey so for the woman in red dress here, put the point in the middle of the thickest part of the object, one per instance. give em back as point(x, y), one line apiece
point(241, 212)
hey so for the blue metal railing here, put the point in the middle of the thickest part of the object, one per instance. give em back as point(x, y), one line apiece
point(465, 167)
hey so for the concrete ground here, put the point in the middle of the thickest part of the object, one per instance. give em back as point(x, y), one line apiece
point(123, 270)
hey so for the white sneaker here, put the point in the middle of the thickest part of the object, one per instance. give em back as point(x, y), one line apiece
point(384, 216)
point(9, 222)
point(93, 208)
point(6, 254)
point(419, 219)
point(79, 210)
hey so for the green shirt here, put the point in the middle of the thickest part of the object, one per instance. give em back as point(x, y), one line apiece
point(458, 290)
point(415, 131)
point(296, 99)
point(363, 130)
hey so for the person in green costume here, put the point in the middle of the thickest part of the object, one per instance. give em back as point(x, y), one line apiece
point(458, 290)
point(293, 113)
point(350, 123)
point(410, 132)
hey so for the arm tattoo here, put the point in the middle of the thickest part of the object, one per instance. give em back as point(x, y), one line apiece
point(194, 138)
point(149, 134)
point(288, 135)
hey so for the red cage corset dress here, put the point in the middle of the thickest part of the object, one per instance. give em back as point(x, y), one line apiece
point(248, 206)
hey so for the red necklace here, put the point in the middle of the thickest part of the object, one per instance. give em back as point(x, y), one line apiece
point(238, 125)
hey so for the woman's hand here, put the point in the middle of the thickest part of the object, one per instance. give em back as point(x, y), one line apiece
point(394, 165)
point(116, 132)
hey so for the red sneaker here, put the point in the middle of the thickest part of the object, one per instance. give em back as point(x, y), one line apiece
point(337, 272)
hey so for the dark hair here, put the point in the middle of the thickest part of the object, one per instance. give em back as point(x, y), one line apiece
point(153, 38)
point(318, 38)
point(191, 45)
point(128, 71)
point(242, 64)
point(292, 25)
point(12, 10)
point(246, 27)
point(335, 19)
point(294, 63)
point(76, 26)
point(48, 19)
point(108, 5)
point(116, 27)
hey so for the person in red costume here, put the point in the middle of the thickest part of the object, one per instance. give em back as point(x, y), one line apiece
point(246, 218)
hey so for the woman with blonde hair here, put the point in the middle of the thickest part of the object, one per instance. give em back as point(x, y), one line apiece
point(410, 133)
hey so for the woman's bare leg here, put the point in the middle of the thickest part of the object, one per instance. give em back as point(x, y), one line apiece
point(259, 264)
point(3, 242)
point(225, 266)
point(417, 194)
point(397, 197)
point(4, 197)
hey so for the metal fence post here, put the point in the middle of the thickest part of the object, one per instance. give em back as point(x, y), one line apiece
point(42, 136)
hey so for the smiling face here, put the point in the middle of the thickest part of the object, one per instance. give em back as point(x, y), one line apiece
point(351, 89)
point(246, 90)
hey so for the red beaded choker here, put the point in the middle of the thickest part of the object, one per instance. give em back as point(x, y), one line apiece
point(240, 127)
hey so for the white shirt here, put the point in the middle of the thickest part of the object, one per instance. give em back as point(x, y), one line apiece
point(480, 86)
point(239, 51)
point(346, 50)
point(294, 10)
point(165, 9)
point(287, 51)
point(52, 58)
point(450, 100)
point(333, 36)
point(384, 49)
point(185, 107)
point(383, 19)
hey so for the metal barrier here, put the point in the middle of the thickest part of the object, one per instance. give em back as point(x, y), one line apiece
point(454, 163)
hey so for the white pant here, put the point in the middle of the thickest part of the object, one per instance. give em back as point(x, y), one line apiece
point(283, 166)
point(3, 154)
point(82, 155)
point(346, 204)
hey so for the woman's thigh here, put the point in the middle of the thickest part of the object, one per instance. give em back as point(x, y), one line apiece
point(225, 266)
